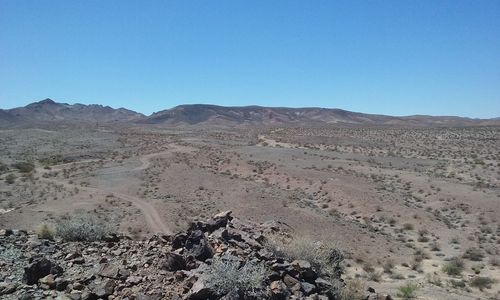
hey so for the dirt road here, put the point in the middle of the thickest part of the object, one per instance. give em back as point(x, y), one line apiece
point(153, 219)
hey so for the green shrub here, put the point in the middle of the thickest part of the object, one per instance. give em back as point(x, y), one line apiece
point(82, 228)
point(454, 267)
point(24, 166)
point(226, 274)
point(482, 282)
point(408, 291)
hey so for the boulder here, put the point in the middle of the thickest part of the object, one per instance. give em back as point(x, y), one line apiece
point(173, 262)
point(198, 246)
point(199, 291)
point(40, 268)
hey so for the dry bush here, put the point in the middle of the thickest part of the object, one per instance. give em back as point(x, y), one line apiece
point(82, 228)
point(473, 254)
point(24, 166)
point(326, 259)
point(408, 291)
point(454, 266)
point(226, 274)
point(482, 282)
point(354, 290)
point(45, 231)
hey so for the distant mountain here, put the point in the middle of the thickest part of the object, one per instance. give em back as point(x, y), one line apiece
point(203, 114)
point(49, 111)
point(257, 115)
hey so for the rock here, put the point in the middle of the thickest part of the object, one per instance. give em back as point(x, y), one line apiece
point(38, 269)
point(47, 282)
point(109, 271)
point(197, 245)
point(308, 288)
point(179, 240)
point(134, 280)
point(322, 284)
point(290, 281)
point(173, 262)
point(278, 290)
point(7, 288)
point(61, 284)
point(199, 291)
point(104, 288)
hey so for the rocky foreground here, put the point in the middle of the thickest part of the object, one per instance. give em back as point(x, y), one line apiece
point(208, 261)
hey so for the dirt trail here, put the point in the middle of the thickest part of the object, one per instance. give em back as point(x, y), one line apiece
point(153, 219)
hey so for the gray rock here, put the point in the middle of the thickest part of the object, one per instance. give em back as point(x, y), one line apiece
point(38, 269)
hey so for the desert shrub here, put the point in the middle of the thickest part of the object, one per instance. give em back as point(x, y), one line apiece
point(354, 290)
point(473, 254)
point(10, 179)
point(24, 166)
point(494, 261)
point(374, 276)
point(482, 282)
point(226, 274)
point(388, 266)
point(45, 231)
point(408, 226)
point(326, 259)
point(82, 228)
point(3, 168)
point(408, 291)
point(457, 284)
point(454, 266)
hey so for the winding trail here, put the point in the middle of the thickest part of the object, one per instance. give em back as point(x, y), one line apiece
point(153, 219)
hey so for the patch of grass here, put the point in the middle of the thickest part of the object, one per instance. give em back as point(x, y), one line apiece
point(454, 266)
point(473, 254)
point(482, 282)
point(354, 290)
point(82, 228)
point(326, 259)
point(24, 166)
point(408, 291)
point(10, 179)
point(45, 231)
point(226, 274)
point(3, 168)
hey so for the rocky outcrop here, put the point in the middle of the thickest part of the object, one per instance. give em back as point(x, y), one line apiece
point(163, 267)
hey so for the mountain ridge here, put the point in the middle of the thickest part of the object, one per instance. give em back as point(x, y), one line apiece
point(48, 110)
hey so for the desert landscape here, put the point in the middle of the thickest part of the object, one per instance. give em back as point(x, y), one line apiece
point(412, 203)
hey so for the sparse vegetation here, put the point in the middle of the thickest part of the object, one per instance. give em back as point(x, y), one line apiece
point(408, 291)
point(226, 274)
point(45, 231)
point(481, 282)
point(24, 166)
point(454, 266)
point(354, 290)
point(82, 228)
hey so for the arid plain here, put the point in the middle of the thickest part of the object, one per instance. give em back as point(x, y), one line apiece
point(403, 204)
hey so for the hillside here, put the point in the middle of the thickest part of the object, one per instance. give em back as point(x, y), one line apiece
point(50, 111)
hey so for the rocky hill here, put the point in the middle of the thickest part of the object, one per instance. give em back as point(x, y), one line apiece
point(257, 115)
point(49, 111)
point(202, 114)
point(222, 258)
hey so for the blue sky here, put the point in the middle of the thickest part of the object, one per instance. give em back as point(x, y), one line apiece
point(392, 57)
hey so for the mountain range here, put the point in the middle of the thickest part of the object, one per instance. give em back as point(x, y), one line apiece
point(48, 111)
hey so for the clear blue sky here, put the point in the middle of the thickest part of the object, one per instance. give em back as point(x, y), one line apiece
point(392, 57)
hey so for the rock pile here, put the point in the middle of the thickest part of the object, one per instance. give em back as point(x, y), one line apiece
point(163, 267)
